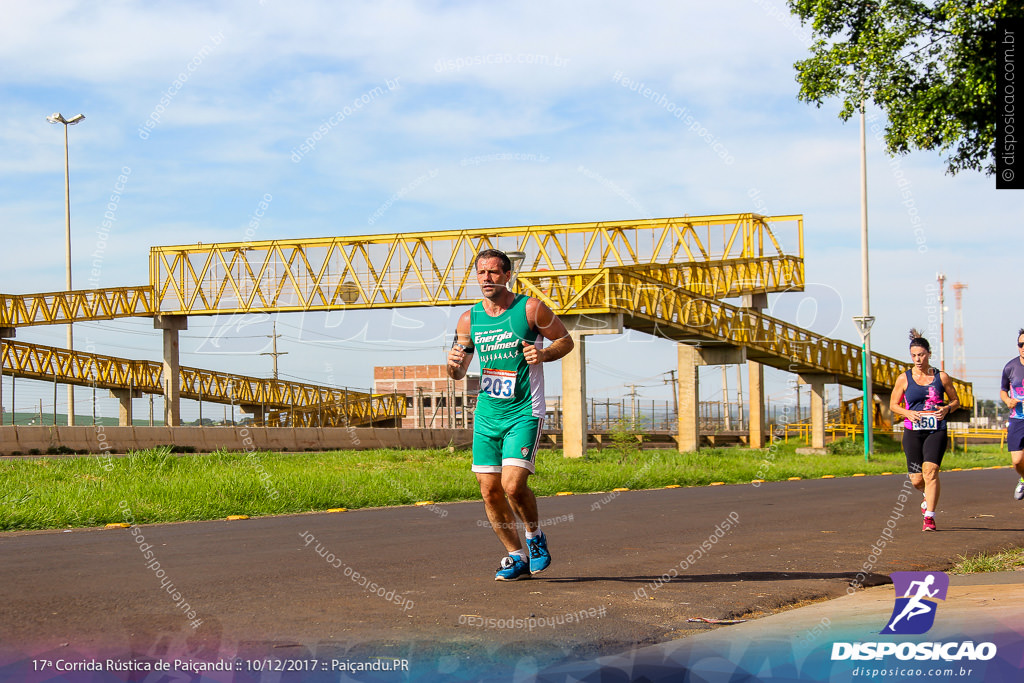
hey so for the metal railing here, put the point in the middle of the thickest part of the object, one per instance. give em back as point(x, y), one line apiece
point(801, 431)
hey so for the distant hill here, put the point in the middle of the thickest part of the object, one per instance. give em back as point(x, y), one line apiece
point(29, 419)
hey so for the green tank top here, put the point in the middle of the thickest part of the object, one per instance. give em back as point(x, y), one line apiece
point(509, 386)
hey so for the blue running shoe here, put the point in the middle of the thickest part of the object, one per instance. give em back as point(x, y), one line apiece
point(540, 558)
point(1018, 493)
point(512, 569)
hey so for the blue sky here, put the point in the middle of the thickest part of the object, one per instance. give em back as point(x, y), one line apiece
point(461, 115)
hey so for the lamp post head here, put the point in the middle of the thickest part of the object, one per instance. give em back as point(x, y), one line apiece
point(516, 258)
point(57, 117)
point(864, 323)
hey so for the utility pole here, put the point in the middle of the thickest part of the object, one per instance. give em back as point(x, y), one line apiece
point(675, 400)
point(941, 277)
point(632, 395)
point(796, 385)
point(739, 395)
point(275, 353)
point(726, 411)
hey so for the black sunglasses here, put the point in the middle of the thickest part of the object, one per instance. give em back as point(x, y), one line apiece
point(1020, 345)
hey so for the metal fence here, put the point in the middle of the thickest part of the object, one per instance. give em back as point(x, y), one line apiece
point(649, 415)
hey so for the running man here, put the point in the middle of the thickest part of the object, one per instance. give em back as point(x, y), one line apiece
point(506, 330)
point(924, 429)
point(1011, 391)
point(916, 605)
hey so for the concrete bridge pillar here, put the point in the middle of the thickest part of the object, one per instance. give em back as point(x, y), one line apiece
point(5, 333)
point(258, 414)
point(690, 360)
point(817, 384)
point(884, 412)
point(171, 376)
point(574, 377)
point(124, 397)
point(755, 370)
point(756, 390)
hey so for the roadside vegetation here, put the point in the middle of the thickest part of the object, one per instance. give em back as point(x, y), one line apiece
point(159, 486)
point(1005, 561)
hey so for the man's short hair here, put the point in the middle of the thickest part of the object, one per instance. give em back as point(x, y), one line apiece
point(506, 263)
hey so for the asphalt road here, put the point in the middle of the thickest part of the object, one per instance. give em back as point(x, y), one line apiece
point(303, 585)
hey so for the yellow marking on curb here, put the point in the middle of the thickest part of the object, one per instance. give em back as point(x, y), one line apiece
point(424, 502)
point(234, 517)
point(757, 481)
point(977, 468)
point(620, 489)
point(828, 476)
point(793, 479)
point(564, 493)
point(673, 486)
point(886, 472)
point(718, 483)
point(860, 474)
point(117, 525)
point(337, 509)
point(957, 469)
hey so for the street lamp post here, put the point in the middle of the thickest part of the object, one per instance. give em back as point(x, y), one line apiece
point(864, 323)
point(59, 118)
point(865, 329)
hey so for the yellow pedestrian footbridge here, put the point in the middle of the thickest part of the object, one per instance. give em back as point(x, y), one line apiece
point(666, 277)
point(275, 402)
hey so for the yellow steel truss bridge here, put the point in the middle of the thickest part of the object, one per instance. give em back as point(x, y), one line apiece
point(650, 303)
point(300, 404)
point(663, 276)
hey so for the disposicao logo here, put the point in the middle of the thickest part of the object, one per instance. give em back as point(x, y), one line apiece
point(914, 612)
point(917, 594)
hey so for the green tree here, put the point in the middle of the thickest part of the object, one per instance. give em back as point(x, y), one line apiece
point(989, 408)
point(625, 438)
point(930, 65)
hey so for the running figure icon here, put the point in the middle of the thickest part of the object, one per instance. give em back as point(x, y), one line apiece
point(916, 604)
point(917, 596)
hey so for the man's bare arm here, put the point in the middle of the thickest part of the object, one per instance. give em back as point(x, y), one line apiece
point(551, 328)
point(461, 353)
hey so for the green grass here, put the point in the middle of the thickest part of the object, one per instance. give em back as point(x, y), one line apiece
point(156, 486)
point(1008, 560)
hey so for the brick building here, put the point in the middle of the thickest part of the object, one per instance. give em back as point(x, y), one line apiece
point(432, 399)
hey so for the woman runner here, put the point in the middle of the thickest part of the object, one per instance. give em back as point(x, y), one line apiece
point(924, 429)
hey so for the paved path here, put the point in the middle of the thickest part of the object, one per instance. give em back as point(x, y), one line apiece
point(259, 587)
